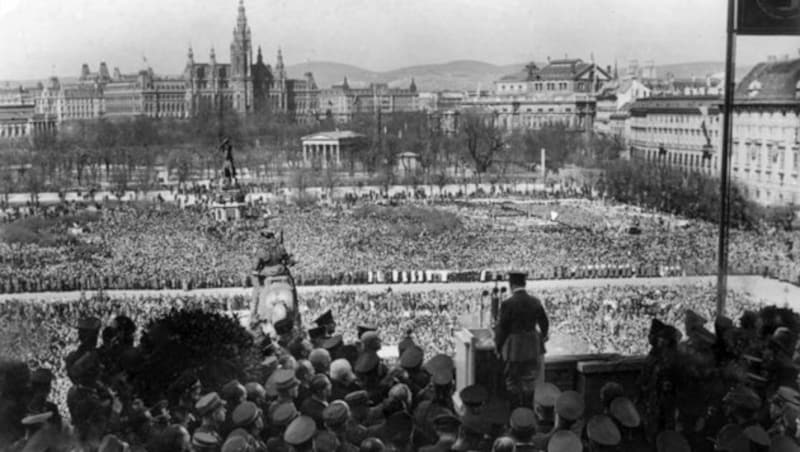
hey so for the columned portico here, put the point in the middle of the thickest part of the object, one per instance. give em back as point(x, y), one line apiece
point(325, 148)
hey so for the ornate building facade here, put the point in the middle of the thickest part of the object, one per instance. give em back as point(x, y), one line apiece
point(342, 102)
point(685, 131)
point(243, 86)
point(563, 92)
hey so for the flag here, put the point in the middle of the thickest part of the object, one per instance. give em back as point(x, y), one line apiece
point(768, 17)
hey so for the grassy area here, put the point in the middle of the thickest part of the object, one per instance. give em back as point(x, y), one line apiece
point(411, 221)
point(44, 231)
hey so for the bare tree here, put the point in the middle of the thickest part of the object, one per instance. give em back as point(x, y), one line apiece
point(483, 141)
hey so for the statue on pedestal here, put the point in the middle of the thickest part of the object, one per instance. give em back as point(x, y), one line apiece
point(274, 291)
point(229, 169)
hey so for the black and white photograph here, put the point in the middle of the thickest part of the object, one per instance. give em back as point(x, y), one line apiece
point(400, 226)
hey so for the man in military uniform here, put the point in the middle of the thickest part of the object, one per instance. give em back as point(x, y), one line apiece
point(212, 411)
point(287, 387)
point(88, 334)
point(326, 322)
point(519, 343)
point(446, 427)
point(314, 405)
point(248, 421)
point(300, 434)
point(336, 417)
point(90, 404)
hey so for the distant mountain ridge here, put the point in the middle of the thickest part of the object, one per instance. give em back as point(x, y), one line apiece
point(469, 75)
point(458, 75)
point(454, 75)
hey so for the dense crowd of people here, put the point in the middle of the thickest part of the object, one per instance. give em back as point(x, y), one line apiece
point(146, 247)
point(330, 390)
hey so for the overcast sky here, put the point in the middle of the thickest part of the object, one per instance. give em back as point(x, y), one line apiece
point(39, 37)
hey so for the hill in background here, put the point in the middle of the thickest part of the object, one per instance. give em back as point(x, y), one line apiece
point(466, 75)
point(459, 75)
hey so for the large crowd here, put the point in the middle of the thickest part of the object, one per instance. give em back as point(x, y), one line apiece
point(145, 247)
point(68, 391)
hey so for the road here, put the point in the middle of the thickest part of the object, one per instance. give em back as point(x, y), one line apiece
point(769, 290)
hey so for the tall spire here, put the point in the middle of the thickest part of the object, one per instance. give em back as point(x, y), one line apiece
point(260, 57)
point(279, 67)
point(241, 19)
point(213, 56)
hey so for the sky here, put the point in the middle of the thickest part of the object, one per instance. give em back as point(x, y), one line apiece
point(40, 38)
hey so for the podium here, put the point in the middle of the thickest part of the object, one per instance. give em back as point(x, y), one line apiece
point(476, 362)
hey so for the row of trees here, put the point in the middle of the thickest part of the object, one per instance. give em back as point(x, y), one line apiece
point(127, 152)
point(690, 194)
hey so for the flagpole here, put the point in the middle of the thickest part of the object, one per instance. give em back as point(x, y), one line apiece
point(724, 211)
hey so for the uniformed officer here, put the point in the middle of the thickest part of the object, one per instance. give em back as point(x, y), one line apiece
point(256, 394)
point(397, 432)
point(473, 398)
point(544, 403)
point(369, 367)
point(314, 405)
point(334, 346)
point(569, 412)
point(248, 421)
point(519, 343)
point(88, 334)
point(281, 417)
point(523, 429)
point(90, 404)
point(602, 433)
point(212, 411)
point(321, 360)
point(362, 329)
point(624, 412)
point(206, 442)
point(327, 323)
point(234, 394)
point(286, 385)
point(300, 433)
point(336, 419)
point(411, 361)
point(236, 443)
point(406, 342)
point(317, 336)
point(564, 441)
point(361, 411)
point(446, 427)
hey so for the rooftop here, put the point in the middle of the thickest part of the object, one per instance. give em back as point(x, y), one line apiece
point(566, 69)
point(770, 82)
point(334, 135)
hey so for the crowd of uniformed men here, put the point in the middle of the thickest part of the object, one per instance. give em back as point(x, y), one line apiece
point(735, 390)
